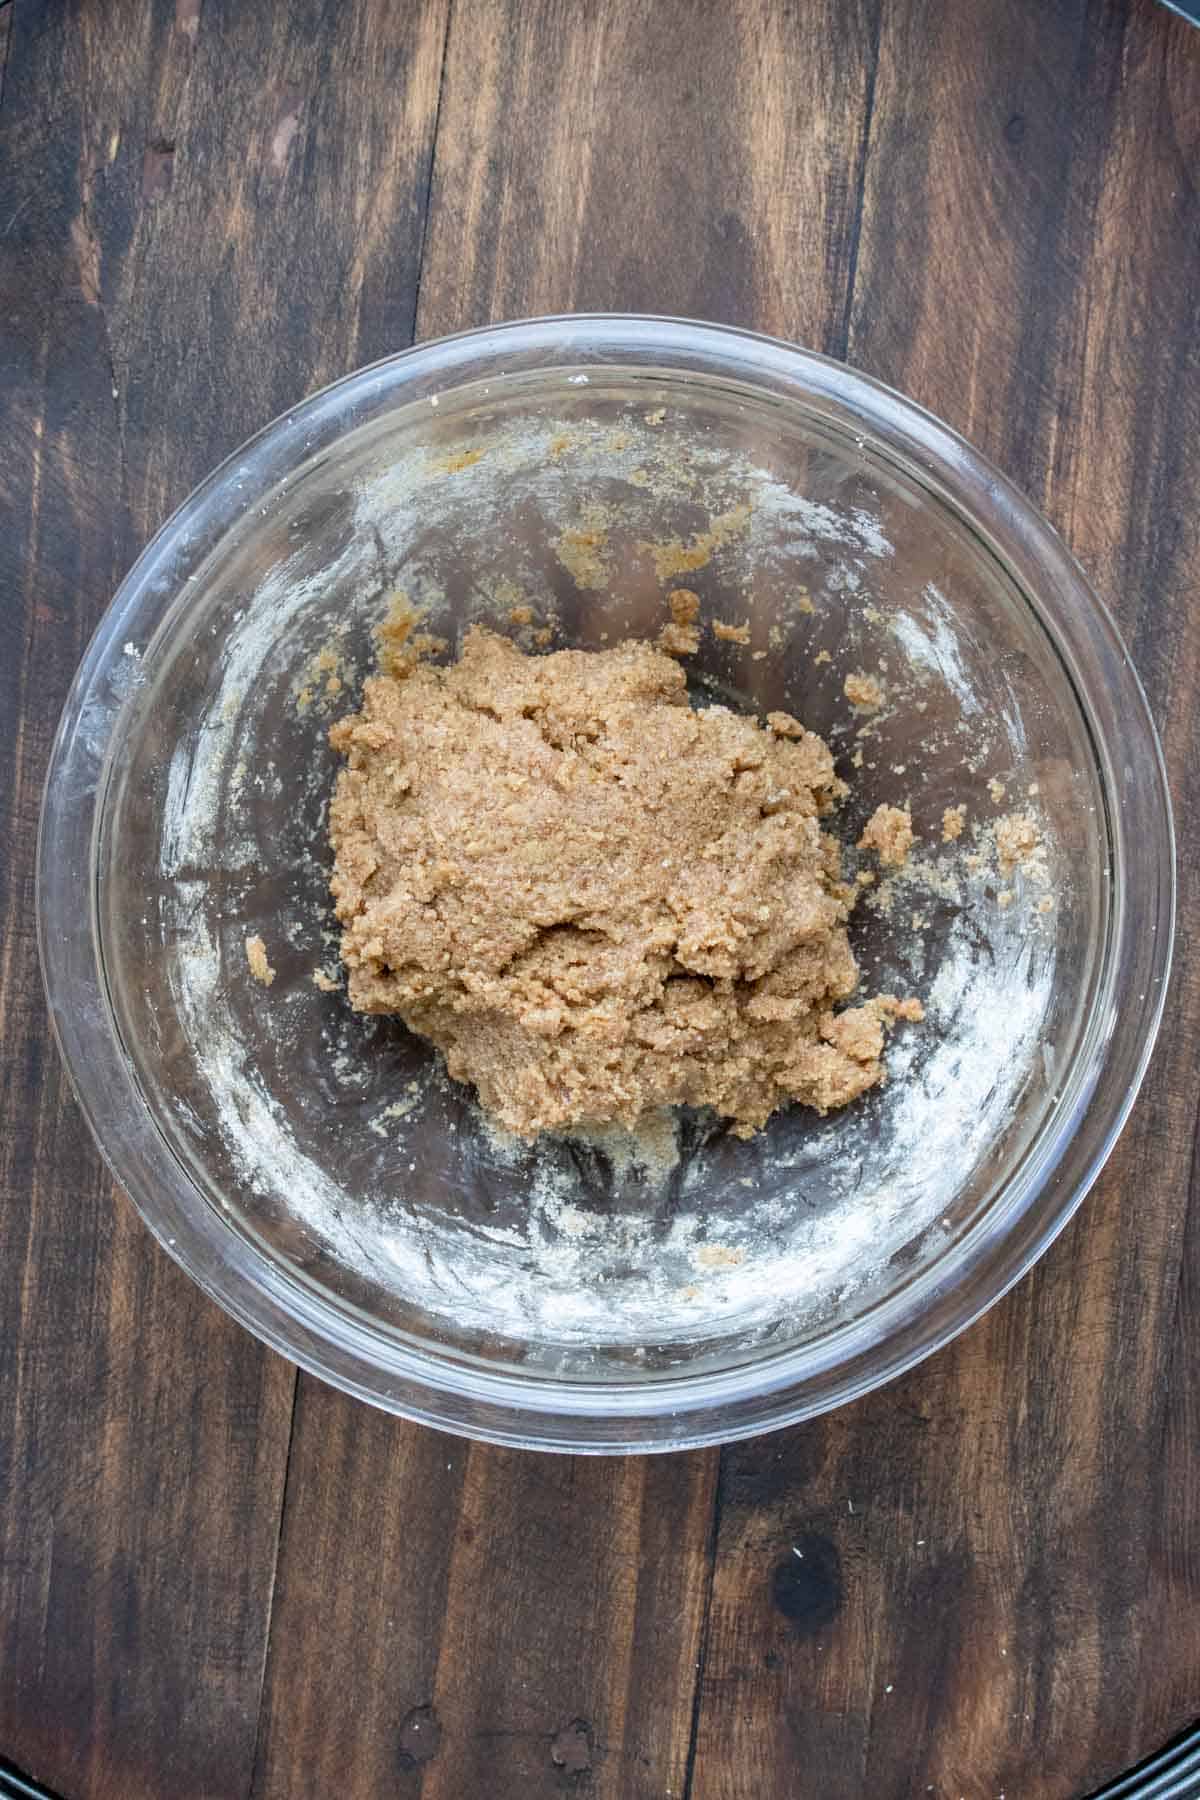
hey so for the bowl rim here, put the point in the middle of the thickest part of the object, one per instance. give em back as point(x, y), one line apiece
point(659, 1413)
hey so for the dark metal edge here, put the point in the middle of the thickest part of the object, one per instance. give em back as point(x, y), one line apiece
point(1187, 9)
point(1174, 1774)
point(15, 1786)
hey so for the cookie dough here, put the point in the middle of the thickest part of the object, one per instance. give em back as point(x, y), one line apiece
point(595, 900)
point(863, 691)
point(889, 833)
point(260, 964)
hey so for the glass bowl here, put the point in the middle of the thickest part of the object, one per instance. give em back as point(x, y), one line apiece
point(317, 1173)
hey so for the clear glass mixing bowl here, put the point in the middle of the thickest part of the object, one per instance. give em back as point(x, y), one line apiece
point(315, 1171)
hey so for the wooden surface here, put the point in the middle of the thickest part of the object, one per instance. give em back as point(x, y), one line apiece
point(220, 1579)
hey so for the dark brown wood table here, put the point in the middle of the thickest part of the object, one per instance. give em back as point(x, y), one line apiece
point(218, 1578)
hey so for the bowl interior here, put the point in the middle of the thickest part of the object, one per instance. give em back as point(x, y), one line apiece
point(333, 1145)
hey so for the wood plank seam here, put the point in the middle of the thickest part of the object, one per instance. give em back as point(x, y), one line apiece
point(1038, 346)
point(840, 346)
point(259, 1744)
point(841, 342)
point(429, 173)
point(714, 1527)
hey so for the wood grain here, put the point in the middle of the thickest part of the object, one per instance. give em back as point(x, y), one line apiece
point(158, 303)
point(489, 1622)
point(1012, 1604)
point(207, 210)
point(124, 1490)
point(652, 157)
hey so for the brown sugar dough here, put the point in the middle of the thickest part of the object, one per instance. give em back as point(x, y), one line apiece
point(889, 833)
point(260, 964)
point(1017, 841)
point(593, 899)
point(863, 691)
point(731, 634)
point(682, 636)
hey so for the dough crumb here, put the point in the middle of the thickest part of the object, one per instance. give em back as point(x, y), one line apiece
point(889, 833)
point(996, 789)
point(682, 636)
point(822, 656)
point(657, 416)
point(323, 678)
point(520, 615)
point(804, 601)
point(731, 634)
point(954, 819)
point(256, 956)
point(1017, 842)
point(595, 900)
point(684, 605)
point(400, 647)
point(328, 984)
point(910, 1009)
point(864, 691)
